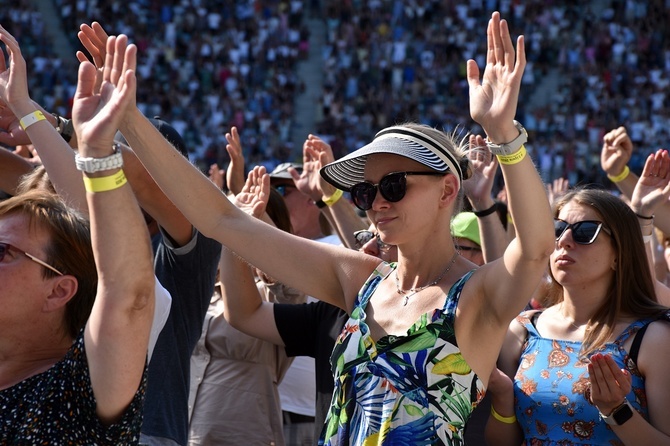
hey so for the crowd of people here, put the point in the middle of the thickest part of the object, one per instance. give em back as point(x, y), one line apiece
point(437, 310)
point(217, 64)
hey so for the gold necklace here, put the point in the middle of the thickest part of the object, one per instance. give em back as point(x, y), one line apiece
point(413, 291)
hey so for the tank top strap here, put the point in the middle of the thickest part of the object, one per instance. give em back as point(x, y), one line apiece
point(453, 296)
point(632, 329)
point(380, 273)
point(528, 319)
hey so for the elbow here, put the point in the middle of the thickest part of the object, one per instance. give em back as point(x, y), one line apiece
point(143, 291)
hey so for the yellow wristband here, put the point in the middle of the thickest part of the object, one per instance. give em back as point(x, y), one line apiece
point(506, 420)
point(514, 158)
point(104, 184)
point(619, 178)
point(329, 201)
point(31, 118)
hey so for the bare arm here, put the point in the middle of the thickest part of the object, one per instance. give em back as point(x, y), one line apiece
point(117, 332)
point(341, 215)
point(493, 106)
point(244, 308)
point(651, 192)
point(478, 189)
point(610, 384)
point(501, 389)
point(149, 195)
point(12, 168)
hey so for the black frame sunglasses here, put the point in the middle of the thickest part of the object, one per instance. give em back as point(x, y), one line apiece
point(364, 236)
point(392, 186)
point(584, 232)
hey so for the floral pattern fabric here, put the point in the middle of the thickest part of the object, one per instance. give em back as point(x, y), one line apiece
point(57, 407)
point(551, 389)
point(402, 390)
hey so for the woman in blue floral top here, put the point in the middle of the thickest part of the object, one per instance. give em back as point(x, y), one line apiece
point(77, 299)
point(592, 368)
point(424, 333)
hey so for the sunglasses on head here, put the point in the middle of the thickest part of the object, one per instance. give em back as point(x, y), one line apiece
point(392, 186)
point(364, 236)
point(583, 232)
point(5, 247)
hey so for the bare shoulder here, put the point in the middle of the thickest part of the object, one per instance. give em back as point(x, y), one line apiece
point(655, 348)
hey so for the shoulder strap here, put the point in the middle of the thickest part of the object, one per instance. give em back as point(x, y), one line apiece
point(637, 341)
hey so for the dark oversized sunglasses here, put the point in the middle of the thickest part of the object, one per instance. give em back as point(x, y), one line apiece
point(5, 247)
point(392, 186)
point(364, 236)
point(583, 232)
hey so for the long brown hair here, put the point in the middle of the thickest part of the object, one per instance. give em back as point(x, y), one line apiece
point(631, 293)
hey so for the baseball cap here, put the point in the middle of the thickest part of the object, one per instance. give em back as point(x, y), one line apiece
point(281, 171)
point(168, 132)
point(465, 225)
point(400, 140)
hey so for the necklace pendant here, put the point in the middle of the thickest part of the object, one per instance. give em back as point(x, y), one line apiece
point(406, 300)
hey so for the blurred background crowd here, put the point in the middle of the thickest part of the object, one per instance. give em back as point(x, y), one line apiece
point(343, 69)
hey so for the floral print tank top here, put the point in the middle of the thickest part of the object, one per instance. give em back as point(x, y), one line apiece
point(401, 390)
point(551, 389)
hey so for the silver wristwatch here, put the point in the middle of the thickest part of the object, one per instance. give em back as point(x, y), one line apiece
point(92, 165)
point(619, 415)
point(512, 146)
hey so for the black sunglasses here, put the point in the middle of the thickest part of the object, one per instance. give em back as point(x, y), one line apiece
point(364, 236)
point(583, 232)
point(392, 186)
point(5, 247)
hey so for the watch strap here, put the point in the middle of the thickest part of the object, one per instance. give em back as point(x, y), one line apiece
point(511, 147)
point(92, 165)
point(619, 415)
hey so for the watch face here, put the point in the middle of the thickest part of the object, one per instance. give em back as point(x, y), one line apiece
point(623, 414)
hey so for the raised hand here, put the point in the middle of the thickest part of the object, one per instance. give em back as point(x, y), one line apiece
point(235, 172)
point(316, 153)
point(617, 150)
point(217, 175)
point(11, 133)
point(13, 79)
point(484, 166)
point(557, 189)
point(653, 187)
point(94, 38)
point(609, 383)
point(97, 115)
point(255, 194)
point(493, 101)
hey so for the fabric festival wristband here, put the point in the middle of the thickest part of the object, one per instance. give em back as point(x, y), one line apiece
point(514, 158)
point(31, 118)
point(104, 184)
point(506, 420)
point(485, 212)
point(329, 201)
point(622, 176)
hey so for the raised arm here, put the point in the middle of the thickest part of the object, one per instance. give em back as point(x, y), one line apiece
point(340, 213)
point(56, 155)
point(12, 168)
point(478, 190)
point(326, 272)
point(150, 196)
point(651, 192)
point(243, 306)
point(509, 282)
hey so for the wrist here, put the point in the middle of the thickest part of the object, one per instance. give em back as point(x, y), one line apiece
point(619, 177)
point(499, 135)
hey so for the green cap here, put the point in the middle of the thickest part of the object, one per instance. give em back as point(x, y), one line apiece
point(464, 225)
